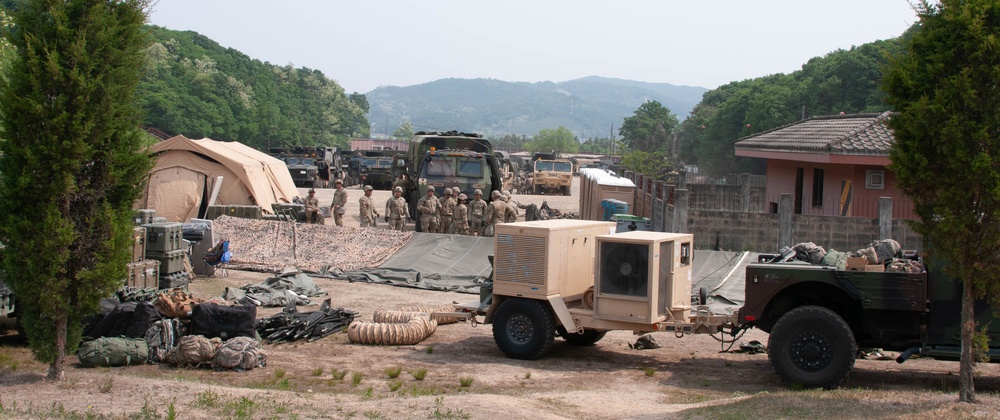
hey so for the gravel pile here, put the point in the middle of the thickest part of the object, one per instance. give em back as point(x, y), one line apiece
point(265, 245)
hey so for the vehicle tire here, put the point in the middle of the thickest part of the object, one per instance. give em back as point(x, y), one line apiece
point(565, 190)
point(538, 190)
point(523, 328)
point(702, 296)
point(812, 346)
point(588, 338)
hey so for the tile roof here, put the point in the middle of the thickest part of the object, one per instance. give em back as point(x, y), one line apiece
point(851, 134)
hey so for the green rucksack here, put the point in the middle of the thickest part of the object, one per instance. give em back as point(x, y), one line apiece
point(113, 351)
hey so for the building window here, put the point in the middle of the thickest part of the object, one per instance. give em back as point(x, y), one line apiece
point(875, 179)
point(817, 187)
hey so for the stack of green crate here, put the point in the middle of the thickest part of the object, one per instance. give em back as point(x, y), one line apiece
point(165, 244)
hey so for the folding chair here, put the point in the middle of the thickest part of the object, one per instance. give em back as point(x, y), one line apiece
point(218, 258)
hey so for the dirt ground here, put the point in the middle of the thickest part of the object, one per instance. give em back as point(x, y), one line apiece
point(462, 374)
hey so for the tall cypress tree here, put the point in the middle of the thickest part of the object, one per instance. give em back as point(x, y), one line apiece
point(72, 161)
point(947, 140)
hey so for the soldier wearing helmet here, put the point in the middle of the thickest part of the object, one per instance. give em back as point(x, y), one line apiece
point(428, 207)
point(477, 211)
point(446, 210)
point(396, 212)
point(337, 207)
point(510, 212)
point(461, 217)
point(368, 214)
point(494, 213)
point(312, 208)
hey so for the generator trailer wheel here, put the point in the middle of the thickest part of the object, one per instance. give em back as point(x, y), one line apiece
point(523, 328)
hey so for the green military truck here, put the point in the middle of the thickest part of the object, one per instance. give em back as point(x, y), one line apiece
point(448, 159)
point(819, 316)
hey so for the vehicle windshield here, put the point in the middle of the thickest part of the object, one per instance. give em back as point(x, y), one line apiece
point(384, 163)
point(308, 162)
point(368, 162)
point(292, 161)
point(541, 165)
point(439, 167)
point(469, 167)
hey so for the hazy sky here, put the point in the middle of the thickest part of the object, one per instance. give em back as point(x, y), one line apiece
point(366, 44)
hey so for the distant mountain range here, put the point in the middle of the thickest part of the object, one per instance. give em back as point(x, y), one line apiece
point(588, 107)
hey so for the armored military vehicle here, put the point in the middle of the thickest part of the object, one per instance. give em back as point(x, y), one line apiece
point(449, 159)
point(552, 176)
point(819, 316)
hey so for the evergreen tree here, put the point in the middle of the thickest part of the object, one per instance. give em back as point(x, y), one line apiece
point(945, 157)
point(72, 162)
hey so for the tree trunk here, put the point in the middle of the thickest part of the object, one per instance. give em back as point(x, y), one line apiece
point(966, 374)
point(57, 369)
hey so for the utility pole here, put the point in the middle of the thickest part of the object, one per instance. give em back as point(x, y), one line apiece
point(613, 145)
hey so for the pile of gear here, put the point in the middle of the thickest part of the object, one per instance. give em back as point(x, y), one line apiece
point(291, 287)
point(270, 246)
point(544, 212)
point(291, 325)
point(886, 254)
point(174, 328)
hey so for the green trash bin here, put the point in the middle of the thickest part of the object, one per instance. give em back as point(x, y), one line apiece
point(628, 223)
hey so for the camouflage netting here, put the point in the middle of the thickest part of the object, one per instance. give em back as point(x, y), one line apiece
point(270, 246)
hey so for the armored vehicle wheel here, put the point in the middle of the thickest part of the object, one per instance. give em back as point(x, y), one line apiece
point(812, 346)
point(523, 328)
point(565, 190)
point(589, 336)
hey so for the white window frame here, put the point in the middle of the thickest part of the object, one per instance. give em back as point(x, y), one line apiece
point(875, 179)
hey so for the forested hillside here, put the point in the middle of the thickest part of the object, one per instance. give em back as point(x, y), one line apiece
point(842, 81)
point(198, 88)
point(587, 107)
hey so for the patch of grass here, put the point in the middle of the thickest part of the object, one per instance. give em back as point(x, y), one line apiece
point(394, 385)
point(430, 349)
point(419, 374)
point(147, 411)
point(318, 371)
point(208, 399)
point(7, 363)
point(283, 385)
point(368, 394)
point(416, 391)
point(171, 412)
point(440, 412)
point(356, 378)
point(649, 371)
point(68, 383)
point(465, 381)
point(279, 373)
point(374, 415)
point(705, 383)
point(393, 372)
point(241, 408)
point(105, 386)
point(339, 374)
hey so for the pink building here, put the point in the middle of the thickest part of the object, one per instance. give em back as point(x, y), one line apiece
point(379, 144)
point(833, 165)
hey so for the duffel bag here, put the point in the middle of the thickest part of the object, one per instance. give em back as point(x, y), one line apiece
point(113, 351)
point(212, 320)
point(194, 351)
point(240, 353)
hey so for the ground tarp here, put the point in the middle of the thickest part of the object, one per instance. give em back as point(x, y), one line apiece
point(459, 263)
point(433, 261)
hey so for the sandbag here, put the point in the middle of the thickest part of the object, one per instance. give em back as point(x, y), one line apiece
point(113, 351)
point(194, 351)
point(161, 337)
point(240, 353)
point(212, 320)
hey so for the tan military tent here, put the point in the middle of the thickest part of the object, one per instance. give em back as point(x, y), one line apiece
point(182, 182)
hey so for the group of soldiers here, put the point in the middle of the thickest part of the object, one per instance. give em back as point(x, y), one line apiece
point(451, 213)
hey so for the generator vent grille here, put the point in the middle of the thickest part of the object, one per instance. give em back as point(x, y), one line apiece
point(525, 260)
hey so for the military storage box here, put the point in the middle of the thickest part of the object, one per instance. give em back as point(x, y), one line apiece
point(163, 237)
point(170, 261)
point(172, 280)
point(143, 274)
point(138, 244)
point(144, 216)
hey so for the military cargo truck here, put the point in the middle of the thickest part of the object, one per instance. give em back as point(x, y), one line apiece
point(552, 176)
point(818, 317)
point(448, 159)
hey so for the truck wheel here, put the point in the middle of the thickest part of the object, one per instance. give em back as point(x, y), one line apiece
point(589, 336)
point(812, 346)
point(523, 328)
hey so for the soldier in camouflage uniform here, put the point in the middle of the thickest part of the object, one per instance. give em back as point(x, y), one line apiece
point(312, 208)
point(397, 213)
point(461, 216)
point(495, 211)
point(510, 212)
point(339, 201)
point(445, 211)
point(368, 213)
point(477, 210)
point(428, 208)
